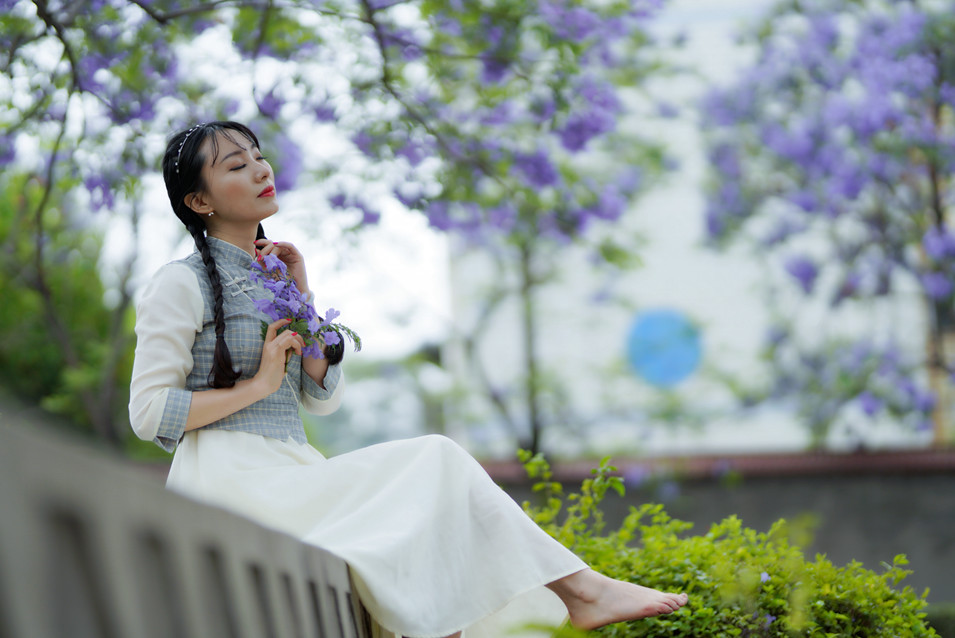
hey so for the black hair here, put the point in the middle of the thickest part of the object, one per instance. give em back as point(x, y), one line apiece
point(182, 171)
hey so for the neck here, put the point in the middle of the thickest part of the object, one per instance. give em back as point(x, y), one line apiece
point(242, 238)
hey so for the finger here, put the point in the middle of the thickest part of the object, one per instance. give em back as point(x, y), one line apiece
point(292, 341)
point(264, 246)
point(273, 328)
point(285, 250)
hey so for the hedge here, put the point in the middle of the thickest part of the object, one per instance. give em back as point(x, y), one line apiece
point(740, 582)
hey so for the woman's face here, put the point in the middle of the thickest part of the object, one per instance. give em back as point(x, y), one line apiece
point(239, 183)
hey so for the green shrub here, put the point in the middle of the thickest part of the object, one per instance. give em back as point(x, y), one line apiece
point(740, 582)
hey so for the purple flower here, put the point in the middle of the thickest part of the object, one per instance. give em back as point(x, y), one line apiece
point(544, 109)
point(502, 217)
point(937, 285)
point(924, 401)
point(413, 152)
point(288, 303)
point(599, 116)
point(763, 577)
point(8, 151)
point(267, 307)
point(848, 182)
point(494, 69)
point(804, 271)
point(101, 192)
point(869, 403)
point(325, 112)
point(290, 163)
point(363, 140)
point(611, 204)
point(667, 110)
point(946, 93)
point(501, 114)
point(938, 243)
point(848, 288)
point(580, 128)
point(438, 215)
point(537, 168)
point(271, 104)
point(274, 263)
point(368, 216)
point(824, 31)
point(796, 146)
point(576, 23)
point(275, 286)
point(408, 200)
point(636, 475)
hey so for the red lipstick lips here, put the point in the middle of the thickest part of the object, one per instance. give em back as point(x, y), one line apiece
point(268, 191)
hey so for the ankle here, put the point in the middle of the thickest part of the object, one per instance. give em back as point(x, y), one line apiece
point(580, 587)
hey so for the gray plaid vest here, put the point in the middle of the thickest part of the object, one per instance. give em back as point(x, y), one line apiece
point(275, 416)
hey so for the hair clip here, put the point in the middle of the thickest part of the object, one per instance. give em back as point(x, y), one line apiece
point(183, 143)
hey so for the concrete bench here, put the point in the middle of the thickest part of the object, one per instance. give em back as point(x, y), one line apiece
point(91, 548)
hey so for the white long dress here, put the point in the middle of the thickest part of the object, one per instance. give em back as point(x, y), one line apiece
point(433, 544)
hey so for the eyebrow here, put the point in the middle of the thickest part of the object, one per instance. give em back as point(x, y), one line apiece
point(239, 150)
point(236, 152)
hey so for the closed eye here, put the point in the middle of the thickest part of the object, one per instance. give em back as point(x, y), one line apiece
point(260, 158)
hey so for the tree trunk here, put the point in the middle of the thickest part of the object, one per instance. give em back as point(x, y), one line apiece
point(941, 344)
point(529, 325)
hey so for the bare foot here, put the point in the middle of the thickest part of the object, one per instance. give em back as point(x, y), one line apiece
point(594, 600)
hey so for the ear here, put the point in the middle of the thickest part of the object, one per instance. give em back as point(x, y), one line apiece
point(197, 203)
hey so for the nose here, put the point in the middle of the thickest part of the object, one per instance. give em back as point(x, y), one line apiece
point(262, 171)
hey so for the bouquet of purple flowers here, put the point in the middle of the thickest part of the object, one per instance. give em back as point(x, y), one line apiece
point(288, 303)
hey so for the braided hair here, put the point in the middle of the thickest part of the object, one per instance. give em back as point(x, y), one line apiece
point(182, 171)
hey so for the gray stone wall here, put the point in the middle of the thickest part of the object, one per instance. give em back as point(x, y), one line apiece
point(91, 548)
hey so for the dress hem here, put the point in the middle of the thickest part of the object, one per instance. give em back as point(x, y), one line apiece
point(485, 614)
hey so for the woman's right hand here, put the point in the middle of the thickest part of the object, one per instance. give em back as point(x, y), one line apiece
point(275, 353)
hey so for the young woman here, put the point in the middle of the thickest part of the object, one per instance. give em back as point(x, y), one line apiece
point(435, 547)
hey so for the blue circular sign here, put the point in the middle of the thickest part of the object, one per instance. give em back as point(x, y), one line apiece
point(664, 347)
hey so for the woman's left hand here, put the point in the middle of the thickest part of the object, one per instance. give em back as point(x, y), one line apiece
point(290, 255)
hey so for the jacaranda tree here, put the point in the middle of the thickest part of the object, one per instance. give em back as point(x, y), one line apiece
point(498, 120)
point(833, 155)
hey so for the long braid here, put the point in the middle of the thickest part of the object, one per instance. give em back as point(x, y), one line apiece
point(182, 172)
point(223, 374)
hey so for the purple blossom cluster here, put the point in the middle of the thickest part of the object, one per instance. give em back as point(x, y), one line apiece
point(288, 303)
point(841, 135)
point(516, 132)
point(850, 116)
point(937, 279)
point(827, 378)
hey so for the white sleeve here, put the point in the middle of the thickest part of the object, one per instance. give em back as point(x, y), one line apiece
point(319, 400)
point(168, 316)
